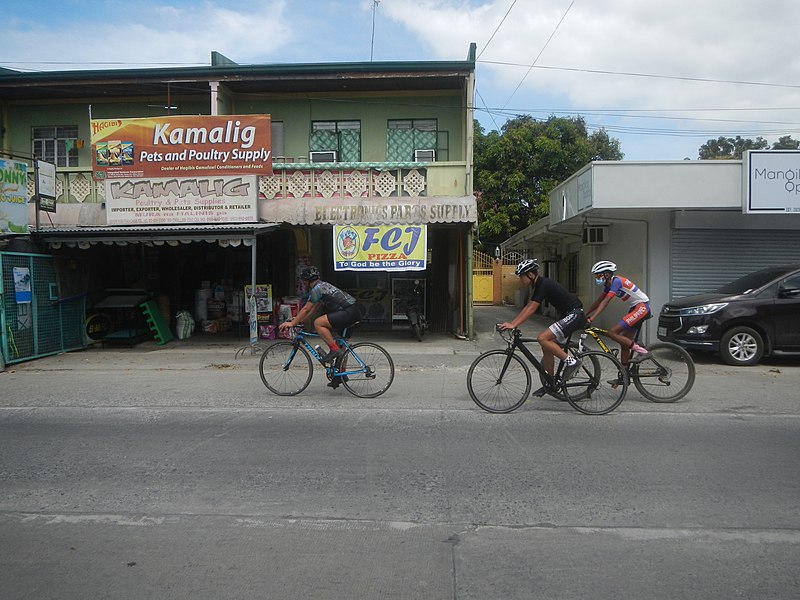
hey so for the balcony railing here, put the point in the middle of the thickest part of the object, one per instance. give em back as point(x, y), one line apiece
point(75, 185)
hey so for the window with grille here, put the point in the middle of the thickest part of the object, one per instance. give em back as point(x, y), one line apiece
point(56, 145)
point(405, 138)
point(341, 137)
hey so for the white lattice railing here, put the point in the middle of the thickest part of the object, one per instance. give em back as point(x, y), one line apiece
point(78, 186)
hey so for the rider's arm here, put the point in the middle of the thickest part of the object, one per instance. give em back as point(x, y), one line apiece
point(527, 311)
point(304, 312)
point(598, 307)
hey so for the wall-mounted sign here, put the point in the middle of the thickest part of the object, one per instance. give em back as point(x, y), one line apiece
point(380, 247)
point(772, 181)
point(181, 200)
point(46, 186)
point(182, 146)
point(13, 196)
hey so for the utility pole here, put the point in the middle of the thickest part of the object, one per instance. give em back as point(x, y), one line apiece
point(372, 41)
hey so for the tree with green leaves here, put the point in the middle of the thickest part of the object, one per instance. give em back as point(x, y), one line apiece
point(730, 148)
point(516, 169)
point(786, 143)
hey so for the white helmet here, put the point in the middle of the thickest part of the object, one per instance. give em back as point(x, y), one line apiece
point(603, 266)
point(526, 266)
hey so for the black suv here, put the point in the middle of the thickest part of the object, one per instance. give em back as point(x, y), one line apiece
point(743, 320)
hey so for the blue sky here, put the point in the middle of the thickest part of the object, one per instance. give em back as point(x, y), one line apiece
point(662, 77)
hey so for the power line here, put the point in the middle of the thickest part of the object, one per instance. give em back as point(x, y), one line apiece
point(533, 64)
point(496, 29)
point(648, 75)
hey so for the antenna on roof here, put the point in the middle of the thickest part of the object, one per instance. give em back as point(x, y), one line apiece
point(372, 41)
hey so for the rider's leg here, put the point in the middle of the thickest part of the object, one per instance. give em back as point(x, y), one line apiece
point(550, 349)
point(624, 337)
point(325, 331)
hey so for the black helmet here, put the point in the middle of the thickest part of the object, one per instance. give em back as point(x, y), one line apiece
point(309, 273)
point(526, 266)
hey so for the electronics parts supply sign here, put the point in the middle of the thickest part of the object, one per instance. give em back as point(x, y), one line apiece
point(182, 146)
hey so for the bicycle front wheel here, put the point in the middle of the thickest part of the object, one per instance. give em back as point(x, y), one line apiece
point(285, 369)
point(598, 386)
point(499, 382)
point(366, 370)
point(666, 376)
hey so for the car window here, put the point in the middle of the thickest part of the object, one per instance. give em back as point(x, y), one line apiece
point(792, 282)
point(750, 283)
point(769, 292)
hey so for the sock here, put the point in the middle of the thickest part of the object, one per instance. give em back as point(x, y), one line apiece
point(570, 360)
point(638, 349)
point(333, 347)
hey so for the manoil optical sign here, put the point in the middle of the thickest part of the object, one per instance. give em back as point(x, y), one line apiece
point(380, 247)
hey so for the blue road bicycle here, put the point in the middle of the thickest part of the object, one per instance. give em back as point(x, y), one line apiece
point(364, 369)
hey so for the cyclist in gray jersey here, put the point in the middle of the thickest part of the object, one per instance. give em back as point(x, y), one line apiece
point(339, 310)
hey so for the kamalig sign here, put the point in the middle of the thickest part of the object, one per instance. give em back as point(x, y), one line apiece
point(772, 181)
point(182, 146)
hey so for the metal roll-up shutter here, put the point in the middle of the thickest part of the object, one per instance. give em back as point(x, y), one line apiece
point(705, 259)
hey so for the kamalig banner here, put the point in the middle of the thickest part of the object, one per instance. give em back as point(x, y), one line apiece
point(380, 247)
point(182, 146)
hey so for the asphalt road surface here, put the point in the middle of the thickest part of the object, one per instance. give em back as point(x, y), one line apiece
point(165, 474)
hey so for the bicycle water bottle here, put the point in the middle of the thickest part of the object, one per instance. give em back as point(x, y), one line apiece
point(318, 350)
point(582, 339)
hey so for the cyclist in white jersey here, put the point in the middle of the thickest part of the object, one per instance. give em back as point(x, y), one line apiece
point(624, 330)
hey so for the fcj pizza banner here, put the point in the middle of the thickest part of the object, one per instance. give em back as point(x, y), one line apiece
point(182, 146)
point(380, 247)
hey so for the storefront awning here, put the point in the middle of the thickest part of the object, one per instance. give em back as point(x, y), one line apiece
point(370, 210)
point(85, 237)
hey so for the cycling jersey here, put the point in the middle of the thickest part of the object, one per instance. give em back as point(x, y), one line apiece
point(625, 289)
point(332, 298)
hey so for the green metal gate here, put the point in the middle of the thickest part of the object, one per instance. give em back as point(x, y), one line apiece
point(35, 320)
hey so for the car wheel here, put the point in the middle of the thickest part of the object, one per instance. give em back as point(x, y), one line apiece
point(741, 346)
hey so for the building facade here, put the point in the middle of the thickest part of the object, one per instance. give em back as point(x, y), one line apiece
point(383, 145)
point(675, 228)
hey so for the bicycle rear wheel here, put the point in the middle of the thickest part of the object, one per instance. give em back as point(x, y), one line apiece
point(285, 369)
point(499, 382)
point(598, 386)
point(666, 376)
point(367, 370)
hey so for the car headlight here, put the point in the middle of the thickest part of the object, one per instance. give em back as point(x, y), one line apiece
point(705, 309)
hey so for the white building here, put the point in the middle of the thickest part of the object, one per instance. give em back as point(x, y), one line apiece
point(675, 228)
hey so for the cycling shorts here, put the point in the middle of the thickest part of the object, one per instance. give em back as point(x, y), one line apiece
point(574, 320)
point(345, 317)
point(639, 313)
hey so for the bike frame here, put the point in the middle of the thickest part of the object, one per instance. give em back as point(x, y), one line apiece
point(518, 343)
point(300, 338)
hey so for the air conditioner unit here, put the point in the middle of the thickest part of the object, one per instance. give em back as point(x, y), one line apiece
point(595, 235)
point(327, 156)
point(428, 155)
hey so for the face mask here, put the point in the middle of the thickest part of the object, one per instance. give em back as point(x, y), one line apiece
point(600, 281)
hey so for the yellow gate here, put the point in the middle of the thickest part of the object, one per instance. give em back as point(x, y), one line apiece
point(482, 278)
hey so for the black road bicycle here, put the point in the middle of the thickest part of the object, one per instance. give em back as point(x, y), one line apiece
point(415, 311)
point(665, 375)
point(499, 381)
point(365, 369)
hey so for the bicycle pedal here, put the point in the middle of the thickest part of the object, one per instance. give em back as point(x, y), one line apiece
point(540, 392)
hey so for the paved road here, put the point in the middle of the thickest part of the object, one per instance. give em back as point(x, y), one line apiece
point(170, 472)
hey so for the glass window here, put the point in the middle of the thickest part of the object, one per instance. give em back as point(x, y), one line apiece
point(405, 136)
point(342, 137)
point(56, 145)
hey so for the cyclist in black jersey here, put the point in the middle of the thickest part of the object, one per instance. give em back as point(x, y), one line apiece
point(340, 310)
point(568, 307)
